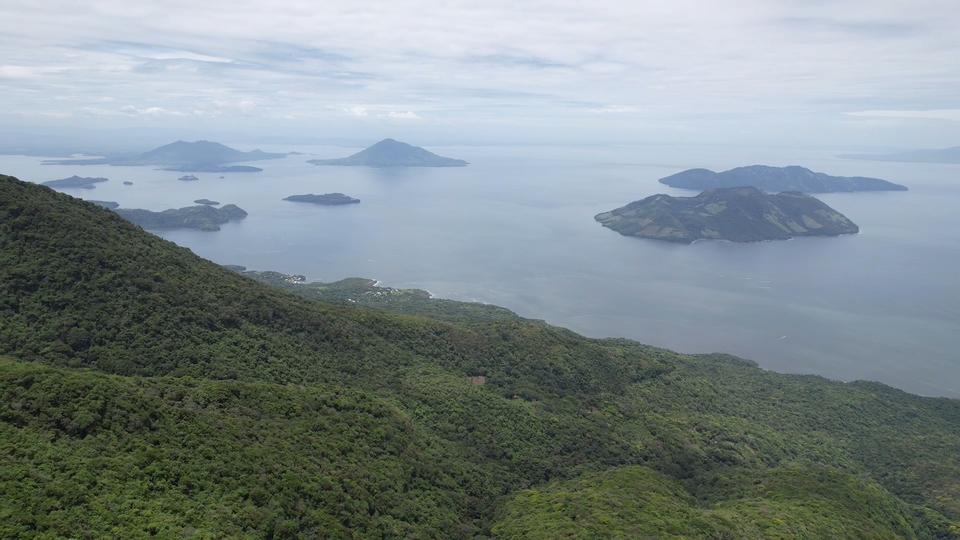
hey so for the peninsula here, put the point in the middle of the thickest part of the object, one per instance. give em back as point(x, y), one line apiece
point(75, 182)
point(742, 214)
point(202, 217)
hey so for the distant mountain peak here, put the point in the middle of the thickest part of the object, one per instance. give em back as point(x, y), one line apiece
point(185, 156)
point(393, 153)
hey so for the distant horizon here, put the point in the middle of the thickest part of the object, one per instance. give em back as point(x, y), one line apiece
point(94, 146)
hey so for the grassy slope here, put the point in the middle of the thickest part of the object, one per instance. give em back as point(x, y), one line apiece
point(324, 395)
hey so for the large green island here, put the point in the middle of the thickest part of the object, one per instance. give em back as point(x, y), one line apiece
point(741, 214)
point(147, 392)
point(777, 179)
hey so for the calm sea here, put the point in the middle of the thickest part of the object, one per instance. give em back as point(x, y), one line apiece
point(516, 229)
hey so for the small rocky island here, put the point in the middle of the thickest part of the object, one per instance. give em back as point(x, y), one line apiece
point(202, 217)
point(188, 178)
point(777, 179)
point(327, 199)
point(207, 202)
point(392, 153)
point(741, 214)
point(75, 182)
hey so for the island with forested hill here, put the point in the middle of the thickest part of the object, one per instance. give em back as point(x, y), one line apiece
point(201, 217)
point(327, 199)
point(183, 156)
point(742, 214)
point(392, 153)
point(777, 179)
point(76, 182)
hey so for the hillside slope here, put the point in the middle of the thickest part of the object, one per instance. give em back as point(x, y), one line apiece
point(156, 393)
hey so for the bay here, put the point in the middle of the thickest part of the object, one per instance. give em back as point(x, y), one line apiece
point(516, 229)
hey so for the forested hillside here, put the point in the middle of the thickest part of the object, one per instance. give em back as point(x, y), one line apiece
point(148, 392)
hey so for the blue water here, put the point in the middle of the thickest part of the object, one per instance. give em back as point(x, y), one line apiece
point(516, 229)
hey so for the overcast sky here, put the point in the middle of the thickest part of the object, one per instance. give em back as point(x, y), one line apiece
point(845, 72)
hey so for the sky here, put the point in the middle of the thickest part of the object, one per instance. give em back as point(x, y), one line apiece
point(847, 73)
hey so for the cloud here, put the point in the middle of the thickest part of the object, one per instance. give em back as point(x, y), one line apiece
point(379, 111)
point(17, 72)
point(149, 111)
point(357, 110)
point(26, 72)
point(932, 114)
point(865, 27)
point(403, 115)
point(615, 109)
point(45, 114)
point(513, 60)
point(518, 65)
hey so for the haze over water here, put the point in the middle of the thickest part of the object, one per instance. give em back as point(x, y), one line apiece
point(516, 229)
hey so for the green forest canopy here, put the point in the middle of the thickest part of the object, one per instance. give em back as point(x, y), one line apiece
point(148, 392)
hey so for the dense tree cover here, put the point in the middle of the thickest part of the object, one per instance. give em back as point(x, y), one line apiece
point(732, 414)
point(92, 455)
point(155, 393)
point(799, 501)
